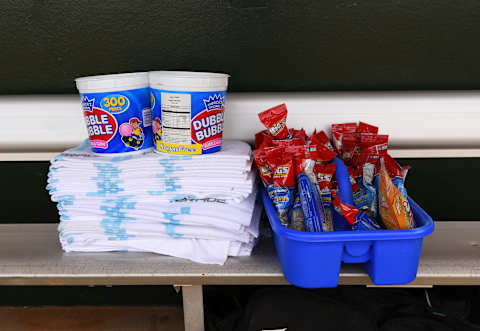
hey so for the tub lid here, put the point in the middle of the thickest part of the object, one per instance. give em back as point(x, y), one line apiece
point(188, 79)
point(116, 82)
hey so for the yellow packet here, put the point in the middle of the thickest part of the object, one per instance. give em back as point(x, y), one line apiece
point(394, 207)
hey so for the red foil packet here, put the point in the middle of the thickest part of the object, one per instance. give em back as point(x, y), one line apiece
point(352, 175)
point(263, 137)
point(350, 147)
point(288, 142)
point(338, 130)
point(393, 168)
point(264, 169)
point(324, 174)
point(321, 138)
point(281, 164)
point(320, 153)
point(367, 128)
point(274, 120)
point(298, 134)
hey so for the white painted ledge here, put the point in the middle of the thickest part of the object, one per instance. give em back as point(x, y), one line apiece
point(421, 121)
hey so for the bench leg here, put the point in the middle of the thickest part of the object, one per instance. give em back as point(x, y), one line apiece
point(193, 308)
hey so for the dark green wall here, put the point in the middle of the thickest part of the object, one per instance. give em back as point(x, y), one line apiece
point(265, 45)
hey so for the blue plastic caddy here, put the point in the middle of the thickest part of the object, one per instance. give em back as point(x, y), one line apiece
point(313, 259)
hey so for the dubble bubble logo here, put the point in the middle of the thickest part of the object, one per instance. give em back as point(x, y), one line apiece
point(101, 125)
point(207, 125)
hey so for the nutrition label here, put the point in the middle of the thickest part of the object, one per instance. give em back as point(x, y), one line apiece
point(147, 117)
point(176, 118)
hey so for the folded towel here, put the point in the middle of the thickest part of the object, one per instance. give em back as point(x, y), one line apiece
point(203, 207)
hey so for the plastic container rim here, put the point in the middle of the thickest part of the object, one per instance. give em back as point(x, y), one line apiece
point(112, 83)
point(187, 74)
point(128, 75)
point(190, 81)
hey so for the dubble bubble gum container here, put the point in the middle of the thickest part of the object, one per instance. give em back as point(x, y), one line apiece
point(117, 112)
point(188, 109)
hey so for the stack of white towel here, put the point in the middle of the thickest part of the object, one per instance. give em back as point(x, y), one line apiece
point(200, 207)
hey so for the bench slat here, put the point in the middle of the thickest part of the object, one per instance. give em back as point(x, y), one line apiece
point(30, 254)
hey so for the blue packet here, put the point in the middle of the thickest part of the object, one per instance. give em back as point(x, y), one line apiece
point(364, 223)
point(398, 182)
point(270, 190)
point(359, 220)
point(364, 198)
point(312, 208)
point(283, 199)
point(296, 215)
point(324, 174)
point(369, 188)
point(283, 184)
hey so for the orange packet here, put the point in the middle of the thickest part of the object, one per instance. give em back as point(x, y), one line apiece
point(394, 207)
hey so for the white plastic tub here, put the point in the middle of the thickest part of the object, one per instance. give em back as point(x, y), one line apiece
point(188, 111)
point(117, 112)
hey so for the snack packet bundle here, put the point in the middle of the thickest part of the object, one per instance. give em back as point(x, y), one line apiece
point(361, 148)
point(281, 164)
point(277, 149)
point(356, 190)
point(324, 174)
point(393, 205)
point(296, 217)
point(367, 165)
point(309, 193)
point(264, 170)
point(339, 131)
point(396, 172)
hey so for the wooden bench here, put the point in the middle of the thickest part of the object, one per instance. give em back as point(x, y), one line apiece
point(30, 254)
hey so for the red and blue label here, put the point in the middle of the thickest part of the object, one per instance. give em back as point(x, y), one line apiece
point(118, 122)
point(188, 122)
